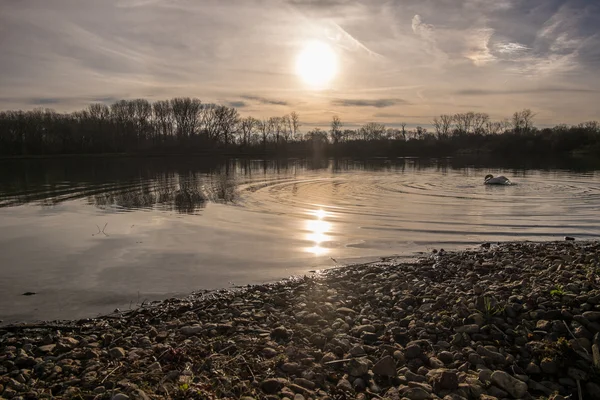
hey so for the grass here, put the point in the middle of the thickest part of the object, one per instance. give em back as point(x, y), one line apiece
point(558, 291)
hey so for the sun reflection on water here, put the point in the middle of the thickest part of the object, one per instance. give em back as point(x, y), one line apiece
point(317, 232)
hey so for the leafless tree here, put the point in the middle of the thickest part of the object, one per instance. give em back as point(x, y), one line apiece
point(522, 121)
point(336, 129)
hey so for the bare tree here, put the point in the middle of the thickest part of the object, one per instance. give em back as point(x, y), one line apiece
point(247, 127)
point(336, 129)
point(163, 118)
point(522, 121)
point(295, 119)
point(442, 125)
point(372, 131)
point(186, 113)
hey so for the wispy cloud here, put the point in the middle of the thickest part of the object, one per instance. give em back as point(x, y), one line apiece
point(487, 92)
point(264, 100)
point(377, 103)
point(394, 55)
point(237, 104)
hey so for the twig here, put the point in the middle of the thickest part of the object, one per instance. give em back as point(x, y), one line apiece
point(248, 366)
point(338, 361)
point(568, 329)
point(111, 372)
point(579, 389)
point(498, 329)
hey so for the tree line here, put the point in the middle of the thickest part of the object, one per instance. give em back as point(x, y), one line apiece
point(186, 125)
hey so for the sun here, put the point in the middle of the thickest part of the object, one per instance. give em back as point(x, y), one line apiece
point(316, 64)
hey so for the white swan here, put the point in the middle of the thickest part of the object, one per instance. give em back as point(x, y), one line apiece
point(499, 180)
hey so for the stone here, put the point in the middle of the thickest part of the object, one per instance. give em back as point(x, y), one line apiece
point(533, 368)
point(515, 387)
point(290, 367)
point(435, 363)
point(280, 333)
point(576, 374)
point(328, 357)
point(592, 315)
point(272, 385)
point(345, 385)
point(116, 353)
point(549, 366)
point(358, 367)
point(120, 396)
point(446, 357)
point(445, 380)
point(139, 394)
point(593, 390)
point(473, 328)
point(417, 393)
point(357, 351)
point(269, 352)
point(413, 351)
point(192, 330)
point(385, 367)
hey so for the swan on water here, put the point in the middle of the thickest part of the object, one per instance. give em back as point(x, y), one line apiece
point(499, 180)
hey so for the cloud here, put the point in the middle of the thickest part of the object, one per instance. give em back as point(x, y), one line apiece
point(44, 101)
point(377, 103)
point(67, 54)
point(487, 92)
point(264, 100)
point(237, 104)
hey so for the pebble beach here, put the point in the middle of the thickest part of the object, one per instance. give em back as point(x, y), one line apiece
point(502, 321)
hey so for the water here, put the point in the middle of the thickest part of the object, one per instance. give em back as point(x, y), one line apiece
point(89, 236)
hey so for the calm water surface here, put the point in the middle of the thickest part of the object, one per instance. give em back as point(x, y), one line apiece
point(89, 236)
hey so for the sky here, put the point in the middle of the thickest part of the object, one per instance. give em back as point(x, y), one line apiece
point(398, 60)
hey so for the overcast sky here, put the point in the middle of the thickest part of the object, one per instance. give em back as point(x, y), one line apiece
point(399, 60)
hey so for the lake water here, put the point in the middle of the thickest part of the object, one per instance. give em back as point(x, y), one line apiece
point(88, 236)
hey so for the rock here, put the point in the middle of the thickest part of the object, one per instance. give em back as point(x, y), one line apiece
point(413, 351)
point(417, 394)
point(446, 357)
point(344, 385)
point(139, 394)
point(533, 368)
point(280, 333)
point(549, 366)
point(272, 385)
point(435, 363)
point(268, 352)
point(592, 315)
point(345, 311)
point(357, 351)
point(328, 357)
point(357, 330)
point(290, 367)
point(473, 328)
point(593, 390)
point(385, 367)
point(116, 353)
point(513, 386)
point(577, 374)
point(358, 367)
point(192, 330)
point(47, 348)
point(120, 396)
point(444, 380)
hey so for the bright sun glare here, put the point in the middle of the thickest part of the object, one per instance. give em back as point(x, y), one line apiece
point(316, 64)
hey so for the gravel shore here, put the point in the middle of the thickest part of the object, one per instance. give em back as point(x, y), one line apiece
point(508, 321)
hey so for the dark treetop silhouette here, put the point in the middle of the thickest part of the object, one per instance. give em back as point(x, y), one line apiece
point(186, 125)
